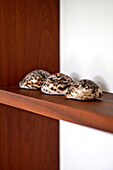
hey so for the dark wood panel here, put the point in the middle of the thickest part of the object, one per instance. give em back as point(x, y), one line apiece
point(29, 38)
point(96, 114)
point(27, 141)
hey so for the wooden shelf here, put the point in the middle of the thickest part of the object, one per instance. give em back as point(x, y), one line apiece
point(97, 114)
point(29, 40)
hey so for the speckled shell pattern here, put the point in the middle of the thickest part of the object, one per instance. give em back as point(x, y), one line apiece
point(57, 84)
point(34, 80)
point(84, 90)
point(61, 84)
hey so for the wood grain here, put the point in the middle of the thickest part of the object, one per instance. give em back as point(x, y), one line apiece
point(29, 38)
point(27, 141)
point(96, 114)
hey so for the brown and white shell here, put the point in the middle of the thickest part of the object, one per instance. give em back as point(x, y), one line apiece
point(84, 90)
point(34, 80)
point(57, 84)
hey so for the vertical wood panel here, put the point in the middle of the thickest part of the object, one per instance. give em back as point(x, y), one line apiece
point(27, 141)
point(29, 38)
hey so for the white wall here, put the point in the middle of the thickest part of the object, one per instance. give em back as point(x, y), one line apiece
point(86, 44)
point(87, 40)
point(84, 148)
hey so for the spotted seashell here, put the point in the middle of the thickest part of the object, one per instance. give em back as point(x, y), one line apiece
point(34, 79)
point(84, 90)
point(57, 84)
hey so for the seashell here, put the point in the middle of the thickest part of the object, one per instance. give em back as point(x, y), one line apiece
point(34, 80)
point(57, 84)
point(84, 90)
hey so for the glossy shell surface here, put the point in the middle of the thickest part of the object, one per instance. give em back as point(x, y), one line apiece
point(57, 84)
point(34, 80)
point(84, 90)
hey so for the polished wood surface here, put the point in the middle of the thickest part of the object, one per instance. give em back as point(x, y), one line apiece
point(27, 141)
point(29, 38)
point(96, 114)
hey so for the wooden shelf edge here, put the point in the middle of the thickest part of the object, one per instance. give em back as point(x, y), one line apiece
point(59, 111)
